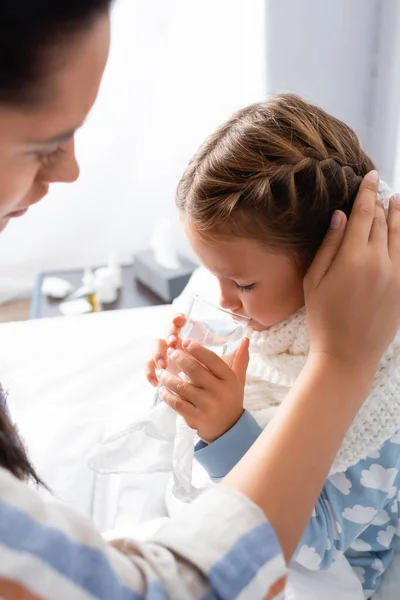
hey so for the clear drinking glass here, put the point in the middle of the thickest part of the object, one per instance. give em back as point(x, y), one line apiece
point(214, 327)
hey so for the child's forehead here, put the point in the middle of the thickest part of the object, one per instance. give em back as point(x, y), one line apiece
point(231, 258)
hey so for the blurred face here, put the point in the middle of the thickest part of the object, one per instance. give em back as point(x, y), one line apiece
point(253, 281)
point(37, 144)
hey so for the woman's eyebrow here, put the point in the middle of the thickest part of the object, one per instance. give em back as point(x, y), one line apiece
point(57, 139)
point(60, 138)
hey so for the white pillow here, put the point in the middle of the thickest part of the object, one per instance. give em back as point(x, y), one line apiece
point(202, 282)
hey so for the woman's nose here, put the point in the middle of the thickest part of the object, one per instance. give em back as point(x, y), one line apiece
point(65, 169)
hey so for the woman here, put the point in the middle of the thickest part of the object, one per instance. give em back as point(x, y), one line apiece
point(53, 55)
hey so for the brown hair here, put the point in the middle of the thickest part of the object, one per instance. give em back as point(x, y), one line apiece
point(274, 173)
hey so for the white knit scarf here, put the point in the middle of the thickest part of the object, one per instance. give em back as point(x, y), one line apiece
point(277, 358)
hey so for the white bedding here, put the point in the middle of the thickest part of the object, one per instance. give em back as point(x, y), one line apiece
point(73, 381)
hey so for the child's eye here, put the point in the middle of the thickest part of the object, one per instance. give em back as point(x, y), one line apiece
point(245, 288)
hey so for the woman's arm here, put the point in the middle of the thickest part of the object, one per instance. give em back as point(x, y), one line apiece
point(48, 551)
point(292, 457)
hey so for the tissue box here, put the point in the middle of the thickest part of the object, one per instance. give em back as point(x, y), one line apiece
point(166, 283)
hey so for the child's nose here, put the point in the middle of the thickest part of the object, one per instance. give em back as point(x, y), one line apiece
point(230, 301)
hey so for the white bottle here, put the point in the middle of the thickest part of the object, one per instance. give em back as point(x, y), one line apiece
point(115, 267)
point(105, 286)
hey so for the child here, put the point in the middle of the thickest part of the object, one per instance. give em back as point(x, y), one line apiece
point(256, 202)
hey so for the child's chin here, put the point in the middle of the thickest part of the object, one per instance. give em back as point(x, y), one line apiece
point(256, 326)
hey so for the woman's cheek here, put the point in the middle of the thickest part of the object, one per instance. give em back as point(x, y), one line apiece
point(14, 187)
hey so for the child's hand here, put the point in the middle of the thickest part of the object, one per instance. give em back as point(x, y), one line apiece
point(159, 359)
point(211, 401)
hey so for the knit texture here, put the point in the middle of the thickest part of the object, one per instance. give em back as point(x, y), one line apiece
point(277, 358)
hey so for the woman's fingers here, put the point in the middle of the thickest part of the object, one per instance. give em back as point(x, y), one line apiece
point(362, 216)
point(196, 372)
point(379, 229)
point(179, 386)
point(179, 405)
point(209, 359)
point(327, 251)
point(394, 228)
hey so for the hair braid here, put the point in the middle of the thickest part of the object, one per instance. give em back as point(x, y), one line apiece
point(274, 173)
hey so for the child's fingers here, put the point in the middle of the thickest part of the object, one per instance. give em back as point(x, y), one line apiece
point(363, 213)
point(328, 251)
point(179, 405)
point(241, 360)
point(209, 359)
point(179, 321)
point(197, 373)
point(173, 334)
point(179, 386)
point(150, 372)
point(394, 228)
point(160, 354)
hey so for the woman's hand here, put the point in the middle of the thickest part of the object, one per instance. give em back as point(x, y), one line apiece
point(211, 400)
point(352, 289)
point(159, 360)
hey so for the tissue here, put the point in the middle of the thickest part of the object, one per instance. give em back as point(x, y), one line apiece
point(163, 245)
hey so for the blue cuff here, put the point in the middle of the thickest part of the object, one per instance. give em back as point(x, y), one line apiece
point(219, 457)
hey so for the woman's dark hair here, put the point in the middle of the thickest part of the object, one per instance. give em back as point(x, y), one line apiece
point(13, 456)
point(30, 32)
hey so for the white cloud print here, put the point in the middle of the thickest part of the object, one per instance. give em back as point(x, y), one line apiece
point(360, 546)
point(360, 572)
point(381, 517)
point(341, 482)
point(375, 454)
point(378, 478)
point(359, 514)
point(308, 557)
point(377, 565)
point(385, 537)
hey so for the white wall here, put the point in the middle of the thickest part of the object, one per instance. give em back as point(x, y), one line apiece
point(345, 56)
point(177, 70)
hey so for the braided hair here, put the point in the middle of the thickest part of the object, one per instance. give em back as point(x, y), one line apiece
point(274, 173)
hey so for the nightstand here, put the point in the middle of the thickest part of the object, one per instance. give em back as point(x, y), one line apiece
point(132, 295)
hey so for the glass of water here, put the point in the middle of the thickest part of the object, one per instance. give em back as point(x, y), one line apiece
point(214, 327)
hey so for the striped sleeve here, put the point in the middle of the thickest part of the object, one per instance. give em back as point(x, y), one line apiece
point(220, 547)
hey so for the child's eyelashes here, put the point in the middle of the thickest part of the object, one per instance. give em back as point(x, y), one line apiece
point(245, 288)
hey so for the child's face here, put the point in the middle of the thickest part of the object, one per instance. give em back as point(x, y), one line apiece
point(254, 282)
